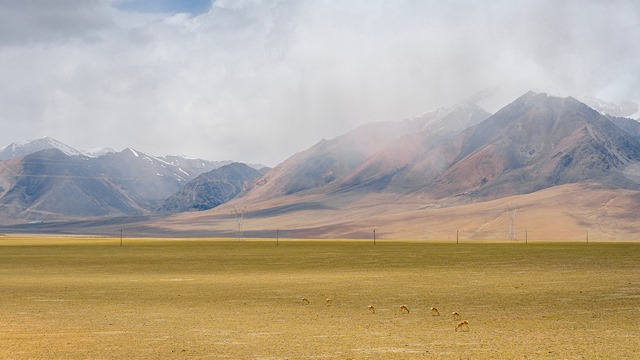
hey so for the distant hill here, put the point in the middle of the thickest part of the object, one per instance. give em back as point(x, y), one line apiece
point(50, 185)
point(212, 188)
point(57, 182)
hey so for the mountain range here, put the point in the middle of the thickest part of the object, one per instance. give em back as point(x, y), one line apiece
point(395, 174)
point(46, 180)
point(533, 146)
point(535, 142)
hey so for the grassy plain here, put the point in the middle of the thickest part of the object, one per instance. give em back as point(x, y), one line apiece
point(91, 298)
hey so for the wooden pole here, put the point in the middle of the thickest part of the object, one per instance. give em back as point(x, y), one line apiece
point(120, 237)
point(526, 236)
point(457, 238)
point(277, 237)
point(374, 237)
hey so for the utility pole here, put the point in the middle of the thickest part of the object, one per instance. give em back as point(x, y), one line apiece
point(120, 237)
point(277, 237)
point(513, 210)
point(457, 238)
point(374, 237)
point(239, 214)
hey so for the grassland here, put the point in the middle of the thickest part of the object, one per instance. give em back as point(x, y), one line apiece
point(91, 298)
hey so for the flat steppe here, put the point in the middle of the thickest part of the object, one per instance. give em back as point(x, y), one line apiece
point(63, 298)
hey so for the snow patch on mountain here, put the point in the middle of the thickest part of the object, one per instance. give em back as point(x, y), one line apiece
point(620, 109)
point(135, 153)
point(97, 152)
point(23, 148)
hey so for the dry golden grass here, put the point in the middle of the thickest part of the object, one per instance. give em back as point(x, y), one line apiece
point(90, 298)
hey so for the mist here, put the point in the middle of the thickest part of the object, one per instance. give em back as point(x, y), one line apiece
point(257, 81)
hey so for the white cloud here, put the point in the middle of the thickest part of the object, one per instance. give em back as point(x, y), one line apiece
point(36, 21)
point(259, 80)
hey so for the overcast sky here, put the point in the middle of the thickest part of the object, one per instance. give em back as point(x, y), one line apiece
point(257, 81)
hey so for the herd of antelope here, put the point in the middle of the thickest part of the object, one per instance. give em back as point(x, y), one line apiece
point(462, 325)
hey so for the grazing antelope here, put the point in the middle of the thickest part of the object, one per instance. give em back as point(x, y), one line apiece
point(372, 309)
point(463, 323)
point(403, 308)
point(435, 312)
point(305, 300)
point(455, 315)
point(329, 301)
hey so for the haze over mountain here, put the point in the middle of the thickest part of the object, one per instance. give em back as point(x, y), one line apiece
point(533, 145)
point(55, 182)
point(329, 162)
point(536, 142)
point(51, 185)
point(620, 109)
point(388, 173)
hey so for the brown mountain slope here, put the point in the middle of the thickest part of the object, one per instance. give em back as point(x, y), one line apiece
point(536, 142)
point(567, 169)
point(329, 160)
point(565, 212)
point(366, 155)
point(51, 185)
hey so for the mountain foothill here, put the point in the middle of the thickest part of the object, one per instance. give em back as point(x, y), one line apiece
point(567, 165)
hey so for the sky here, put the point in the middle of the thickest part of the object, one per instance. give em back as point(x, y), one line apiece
point(259, 80)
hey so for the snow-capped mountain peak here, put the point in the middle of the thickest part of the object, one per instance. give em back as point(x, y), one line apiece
point(22, 148)
point(97, 152)
point(620, 109)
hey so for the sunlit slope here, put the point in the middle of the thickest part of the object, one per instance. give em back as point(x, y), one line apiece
point(565, 212)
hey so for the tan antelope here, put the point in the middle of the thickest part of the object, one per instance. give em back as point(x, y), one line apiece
point(329, 301)
point(463, 323)
point(404, 308)
point(305, 300)
point(435, 312)
point(456, 315)
point(372, 309)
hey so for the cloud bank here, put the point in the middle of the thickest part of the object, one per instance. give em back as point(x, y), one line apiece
point(257, 81)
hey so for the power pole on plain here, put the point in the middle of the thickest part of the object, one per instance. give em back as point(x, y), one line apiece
point(457, 237)
point(277, 237)
point(239, 214)
point(120, 237)
point(374, 237)
point(526, 236)
point(512, 210)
